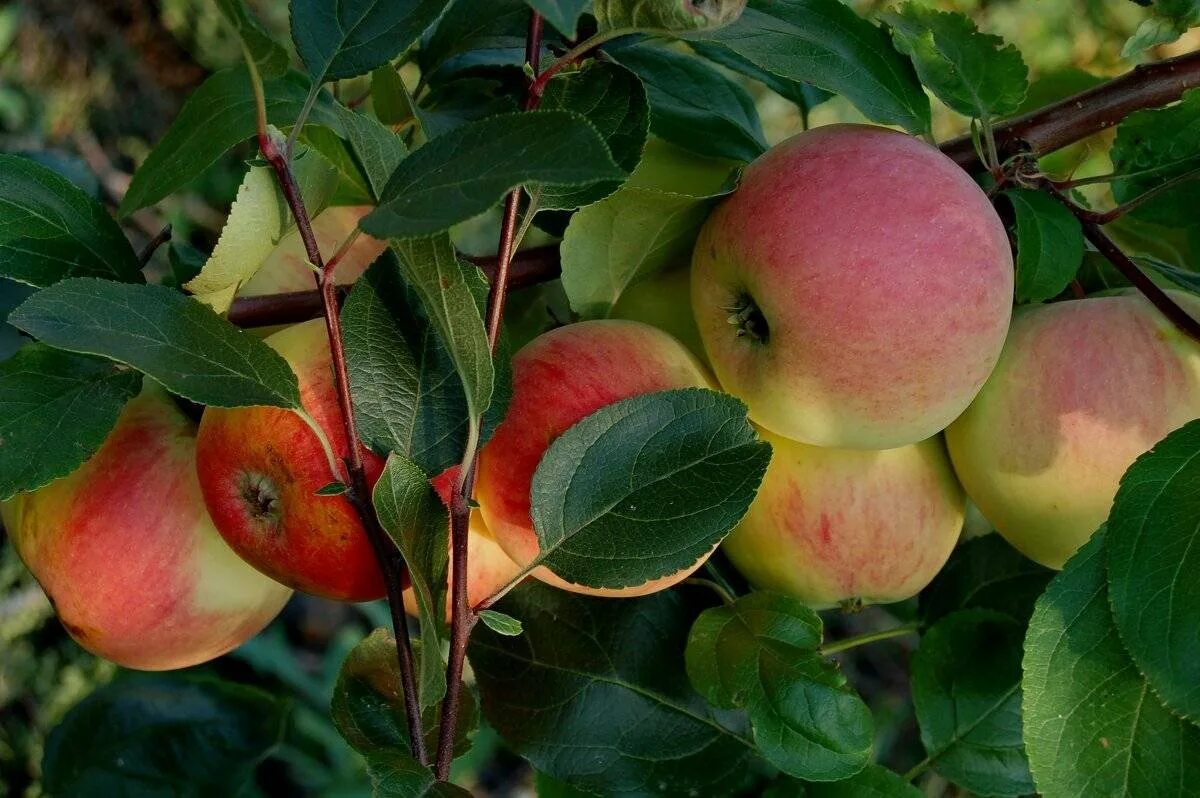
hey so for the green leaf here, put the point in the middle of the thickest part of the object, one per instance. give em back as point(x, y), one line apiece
point(12, 294)
point(602, 701)
point(1180, 277)
point(408, 397)
point(1155, 146)
point(340, 39)
point(761, 653)
point(163, 734)
point(1169, 20)
point(463, 173)
point(432, 268)
point(176, 340)
point(395, 774)
point(872, 781)
point(694, 105)
point(56, 409)
point(966, 686)
point(675, 16)
point(351, 187)
point(368, 704)
point(50, 230)
point(415, 519)
point(1049, 245)
point(390, 99)
point(500, 623)
point(804, 95)
point(1093, 726)
point(218, 116)
point(332, 489)
point(377, 149)
point(985, 573)
point(645, 487)
point(647, 227)
point(562, 14)
point(974, 73)
point(823, 42)
point(1153, 560)
point(268, 55)
point(614, 101)
point(451, 105)
point(474, 32)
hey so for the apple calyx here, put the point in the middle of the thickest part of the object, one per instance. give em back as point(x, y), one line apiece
point(261, 497)
point(748, 319)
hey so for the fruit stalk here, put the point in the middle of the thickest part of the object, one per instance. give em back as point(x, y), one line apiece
point(390, 562)
point(462, 616)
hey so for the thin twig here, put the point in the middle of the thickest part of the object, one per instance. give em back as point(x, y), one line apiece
point(1111, 215)
point(390, 564)
point(1109, 249)
point(160, 238)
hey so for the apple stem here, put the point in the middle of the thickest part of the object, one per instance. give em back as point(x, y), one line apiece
point(390, 561)
point(462, 617)
point(1124, 264)
point(870, 637)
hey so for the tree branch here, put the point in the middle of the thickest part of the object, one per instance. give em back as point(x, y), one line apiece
point(390, 563)
point(1089, 112)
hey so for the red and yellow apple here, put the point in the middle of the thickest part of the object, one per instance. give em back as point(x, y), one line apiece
point(558, 379)
point(261, 467)
point(663, 301)
point(127, 554)
point(1083, 387)
point(847, 526)
point(856, 289)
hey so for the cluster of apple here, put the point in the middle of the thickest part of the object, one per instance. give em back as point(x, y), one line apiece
point(855, 292)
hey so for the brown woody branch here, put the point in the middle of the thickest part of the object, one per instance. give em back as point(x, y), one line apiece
point(1097, 109)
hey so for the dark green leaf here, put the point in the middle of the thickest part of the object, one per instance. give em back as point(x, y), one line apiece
point(974, 73)
point(368, 705)
point(985, 573)
point(472, 32)
point(56, 409)
point(163, 734)
point(395, 774)
point(415, 519)
point(825, 43)
point(268, 55)
point(219, 115)
point(377, 149)
point(762, 654)
point(645, 487)
point(466, 171)
point(1180, 277)
point(332, 489)
point(1153, 147)
point(647, 227)
point(345, 38)
point(500, 623)
point(1093, 726)
point(1049, 245)
point(694, 105)
point(872, 781)
point(12, 294)
point(1168, 20)
point(176, 340)
point(431, 267)
point(467, 99)
point(966, 685)
point(50, 229)
point(613, 100)
point(676, 16)
point(804, 95)
point(1153, 562)
point(594, 693)
point(562, 14)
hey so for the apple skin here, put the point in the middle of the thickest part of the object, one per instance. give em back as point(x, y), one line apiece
point(664, 301)
point(127, 554)
point(559, 378)
point(847, 526)
point(261, 467)
point(876, 281)
point(1083, 388)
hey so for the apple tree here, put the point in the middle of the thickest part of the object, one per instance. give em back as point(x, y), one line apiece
point(710, 435)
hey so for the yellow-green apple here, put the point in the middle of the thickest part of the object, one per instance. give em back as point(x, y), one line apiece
point(848, 526)
point(128, 555)
point(855, 290)
point(559, 378)
point(261, 467)
point(1083, 387)
point(663, 301)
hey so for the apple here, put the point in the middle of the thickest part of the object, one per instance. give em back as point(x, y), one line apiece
point(848, 526)
point(855, 290)
point(1083, 387)
point(663, 301)
point(559, 378)
point(261, 467)
point(127, 554)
